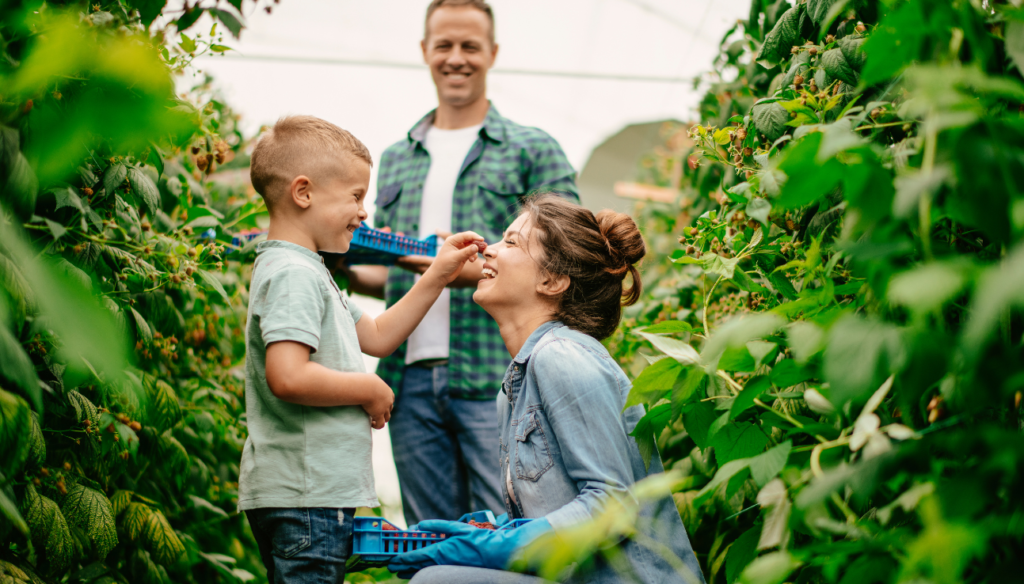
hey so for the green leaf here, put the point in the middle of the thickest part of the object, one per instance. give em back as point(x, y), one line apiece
point(9, 510)
point(787, 374)
point(751, 391)
point(736, 333)
point(49, 531)
point(66, 197)
point(134, 520)
point(926, 288)
point(18, 368)
point(805, 340)
point(716, 264)
point(782, 37)
point(187, 44)
point(144, 189)
point(738, 440)
point(674, 348)
point(697, 419)
point(212, 281)
point(770, 568)
point(741, 553)
point(648, 428)
point(90, 511)
point(818, 9)
point(145, 332)
point(199, 502)
point(114, 177)
point(21, 188)
point(175, 458)
point(161, 540)
point(164, 403)
point(775, 531)
point(765, 466)
point(725, 475)
point(84, 408)
point(119, 501)
point(668, 327)
point(851, 48)
point(188, 19)
point(230, 21)
point(770, 119)
point(220, 48)
point(999, 288)
point(834, 63)
point(149, 10)
point(759, 209)
point(860, 353)
point(654, 382)
point(37, 449)
point(15, 422)
point(1015, 43)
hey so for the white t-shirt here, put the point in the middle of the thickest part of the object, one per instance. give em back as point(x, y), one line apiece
point(448, 150)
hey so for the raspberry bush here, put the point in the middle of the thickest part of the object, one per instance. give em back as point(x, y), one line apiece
point(122, 300)
point(830, 347)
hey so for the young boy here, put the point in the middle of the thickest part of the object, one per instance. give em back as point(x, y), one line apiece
point(309, 402)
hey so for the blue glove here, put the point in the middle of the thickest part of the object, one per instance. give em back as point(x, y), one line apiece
point(479, 517)
point(501, 520)
point(469, 546)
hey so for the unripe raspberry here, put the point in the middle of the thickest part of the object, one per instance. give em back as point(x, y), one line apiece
point(690, 250)
point(741, 134)
point(875, 113)
point(145, 225)
point(813, 51)
point(798, 80)
point(135, 426)
point(794, 50)
point(748, 151)
point(860, 27)
point(693, 231)
point(67, 465)
point(829, 39)
point(87, 191)
point(44, 471)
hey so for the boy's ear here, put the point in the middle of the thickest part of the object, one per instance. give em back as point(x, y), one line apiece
point(553, 285)
point(300, 191)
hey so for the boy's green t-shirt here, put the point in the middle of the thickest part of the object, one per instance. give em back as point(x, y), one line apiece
point(302, 456)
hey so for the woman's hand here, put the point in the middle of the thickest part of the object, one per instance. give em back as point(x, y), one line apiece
point(469, 546)
point(453, 255)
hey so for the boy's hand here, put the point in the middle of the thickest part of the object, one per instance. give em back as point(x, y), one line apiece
point(453, 255)
point(379, 407)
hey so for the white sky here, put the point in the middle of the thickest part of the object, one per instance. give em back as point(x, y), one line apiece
point(652, 38)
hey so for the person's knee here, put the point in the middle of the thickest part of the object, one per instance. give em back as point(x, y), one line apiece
point(433, 575)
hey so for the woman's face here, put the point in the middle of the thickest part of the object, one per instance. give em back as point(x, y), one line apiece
point(510, 273)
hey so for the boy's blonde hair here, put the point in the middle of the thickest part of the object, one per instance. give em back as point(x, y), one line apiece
point(298, 145)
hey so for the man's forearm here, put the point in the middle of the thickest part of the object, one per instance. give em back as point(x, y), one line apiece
point(367, 280)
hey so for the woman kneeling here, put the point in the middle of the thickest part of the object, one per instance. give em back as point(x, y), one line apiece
point(556, 286)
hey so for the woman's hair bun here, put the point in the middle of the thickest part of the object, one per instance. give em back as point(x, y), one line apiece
point(623, 236)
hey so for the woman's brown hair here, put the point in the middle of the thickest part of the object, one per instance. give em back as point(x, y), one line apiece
point(595, 252)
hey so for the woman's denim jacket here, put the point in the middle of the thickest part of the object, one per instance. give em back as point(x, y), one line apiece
point(565, 434)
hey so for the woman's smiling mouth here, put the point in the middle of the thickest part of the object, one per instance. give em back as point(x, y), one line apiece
point(489, 273)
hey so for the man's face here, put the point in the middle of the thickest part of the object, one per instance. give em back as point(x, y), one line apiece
point(459, 52)
point(338, 206)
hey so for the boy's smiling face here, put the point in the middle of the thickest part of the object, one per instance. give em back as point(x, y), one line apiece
point(337, 206)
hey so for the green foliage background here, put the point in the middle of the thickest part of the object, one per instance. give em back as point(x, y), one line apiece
point(121, 301)
point(830, 346)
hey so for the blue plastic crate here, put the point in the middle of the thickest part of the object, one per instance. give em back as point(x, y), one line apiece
point(373, 246)
point(373, 545)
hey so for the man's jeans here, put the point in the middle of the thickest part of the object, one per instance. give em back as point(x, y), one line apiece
point(303, 545)
point(446, 450)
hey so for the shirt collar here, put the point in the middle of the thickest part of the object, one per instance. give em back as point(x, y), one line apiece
point(281, 244)
point(493, 128)
point(531, 342)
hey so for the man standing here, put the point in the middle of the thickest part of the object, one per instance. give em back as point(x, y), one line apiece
point(463, 167)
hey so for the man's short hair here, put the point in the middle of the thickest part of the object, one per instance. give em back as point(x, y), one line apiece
point(298, 145)
point(480, 5)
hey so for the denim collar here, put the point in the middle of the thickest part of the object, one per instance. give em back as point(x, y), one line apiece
point(282, 244)
point(531, 342)
point(493, 128)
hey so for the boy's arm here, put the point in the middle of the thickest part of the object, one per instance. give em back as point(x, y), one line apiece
point(381, 336)
point(292, 377)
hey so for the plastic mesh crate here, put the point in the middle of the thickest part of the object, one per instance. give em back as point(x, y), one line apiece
point(374, 545)
point(369, 245)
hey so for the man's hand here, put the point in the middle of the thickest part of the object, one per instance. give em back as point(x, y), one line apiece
point(380, 405)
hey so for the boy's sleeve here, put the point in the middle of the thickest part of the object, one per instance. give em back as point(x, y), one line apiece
point(293, 307)
point(353, 308)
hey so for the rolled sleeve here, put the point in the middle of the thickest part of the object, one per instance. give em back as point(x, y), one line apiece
point(582, 404)
point(293, 307)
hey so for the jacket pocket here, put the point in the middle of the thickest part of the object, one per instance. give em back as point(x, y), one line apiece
point(533, 454)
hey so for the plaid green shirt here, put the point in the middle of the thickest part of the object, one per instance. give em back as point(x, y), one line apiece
point(507, 162)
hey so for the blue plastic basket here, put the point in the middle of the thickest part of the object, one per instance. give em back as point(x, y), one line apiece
point(373, 246)
point(369, 246)
point(373, 545)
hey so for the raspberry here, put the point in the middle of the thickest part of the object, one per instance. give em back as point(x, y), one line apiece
point(87, 191)
point(481, 245)
point(482, 525)
point(195, 150)
point(388, 527)
point(135, 426)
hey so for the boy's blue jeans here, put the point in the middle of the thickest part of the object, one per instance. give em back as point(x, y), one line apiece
point(445, 449)
point(303, 545)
